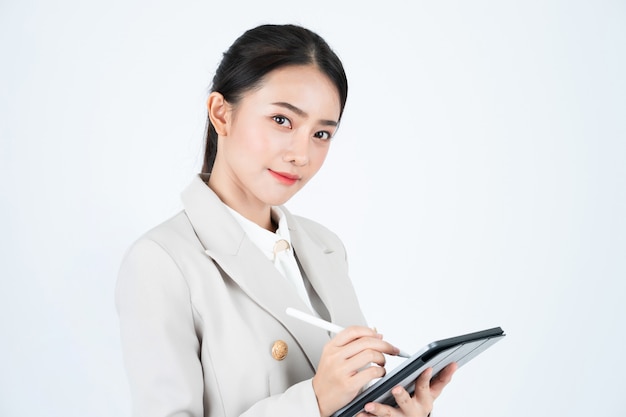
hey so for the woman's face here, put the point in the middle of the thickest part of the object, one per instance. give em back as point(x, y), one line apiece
point(276, 138)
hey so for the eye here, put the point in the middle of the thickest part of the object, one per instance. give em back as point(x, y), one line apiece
point(282, 121)
point(323, 135)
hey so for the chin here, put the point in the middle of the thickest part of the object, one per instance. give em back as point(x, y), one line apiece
point(279, 196)
point(279, 200)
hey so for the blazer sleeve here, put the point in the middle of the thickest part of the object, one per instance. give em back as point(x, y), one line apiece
point(299, 400)
point(159, 343)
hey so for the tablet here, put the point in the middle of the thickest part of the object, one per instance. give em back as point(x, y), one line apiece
point(436, 355)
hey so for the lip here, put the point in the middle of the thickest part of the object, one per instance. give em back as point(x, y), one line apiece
point(284, 177)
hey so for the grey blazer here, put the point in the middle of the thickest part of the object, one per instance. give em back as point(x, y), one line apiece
point(200, 308)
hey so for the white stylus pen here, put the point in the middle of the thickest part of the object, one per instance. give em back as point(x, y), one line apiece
point(323, 324)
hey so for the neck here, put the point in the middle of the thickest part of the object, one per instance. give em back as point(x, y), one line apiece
point(260, 214)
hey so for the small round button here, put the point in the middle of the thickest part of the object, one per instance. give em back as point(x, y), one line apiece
point(281, 245)
point(279, 350)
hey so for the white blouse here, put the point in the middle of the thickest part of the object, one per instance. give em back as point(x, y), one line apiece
point(277, 247)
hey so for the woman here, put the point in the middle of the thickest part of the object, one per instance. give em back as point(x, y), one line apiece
point(202, 297)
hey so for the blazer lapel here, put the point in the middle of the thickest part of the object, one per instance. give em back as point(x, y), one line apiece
point(227, 244)
point(326, 269)
point(262, 282)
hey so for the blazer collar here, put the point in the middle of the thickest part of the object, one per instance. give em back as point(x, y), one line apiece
point(227, 244)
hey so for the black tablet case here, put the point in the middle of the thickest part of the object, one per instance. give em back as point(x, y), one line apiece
point(459, 349)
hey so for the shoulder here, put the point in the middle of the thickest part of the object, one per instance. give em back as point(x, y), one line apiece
point(171, 236)
point(165, 247)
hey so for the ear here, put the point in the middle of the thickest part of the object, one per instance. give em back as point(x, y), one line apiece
point(218, 109)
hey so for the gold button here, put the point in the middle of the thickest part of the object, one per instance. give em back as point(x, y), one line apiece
point(279, 350)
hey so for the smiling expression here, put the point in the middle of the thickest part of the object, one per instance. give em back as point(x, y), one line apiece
point(275, 139)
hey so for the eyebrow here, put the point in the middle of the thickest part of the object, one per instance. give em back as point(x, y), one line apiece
point(302, 113)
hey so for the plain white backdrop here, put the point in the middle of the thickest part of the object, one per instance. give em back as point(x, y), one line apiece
point(478, 179)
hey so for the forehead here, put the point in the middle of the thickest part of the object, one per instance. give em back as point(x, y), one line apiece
point(305, 87)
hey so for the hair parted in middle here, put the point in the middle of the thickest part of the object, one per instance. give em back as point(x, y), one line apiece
point(258, 52)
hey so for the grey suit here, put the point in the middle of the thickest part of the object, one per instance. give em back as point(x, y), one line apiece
point(200, 307)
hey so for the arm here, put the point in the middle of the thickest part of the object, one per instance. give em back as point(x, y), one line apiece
point(344, 368)
point(159, 342)
point(161, 346)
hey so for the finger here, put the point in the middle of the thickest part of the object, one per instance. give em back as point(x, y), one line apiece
point(380, 410)
point(367, 374)
point(365, 358)
point(422, 384)
point(365, 343)
point(352, 333)
point(438, 383)
point(349, 364)
point(422, 393)
point(404, 401)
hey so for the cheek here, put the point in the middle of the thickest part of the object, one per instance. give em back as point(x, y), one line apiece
point(258, 141)
point(318, 156)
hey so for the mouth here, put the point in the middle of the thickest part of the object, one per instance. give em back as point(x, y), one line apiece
point(284, 177)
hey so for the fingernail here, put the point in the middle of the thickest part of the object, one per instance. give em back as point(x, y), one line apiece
point(369, 407)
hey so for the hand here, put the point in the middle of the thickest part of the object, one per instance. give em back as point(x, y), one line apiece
point(347, 364)
point(421, 403)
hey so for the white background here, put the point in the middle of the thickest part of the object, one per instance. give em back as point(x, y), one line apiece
point(478, 180)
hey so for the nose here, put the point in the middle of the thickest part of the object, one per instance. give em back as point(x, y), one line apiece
point(298, 151)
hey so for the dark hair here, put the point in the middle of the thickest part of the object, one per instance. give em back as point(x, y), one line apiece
point(261, 50)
